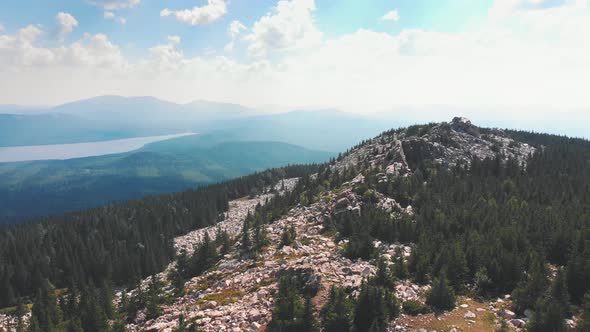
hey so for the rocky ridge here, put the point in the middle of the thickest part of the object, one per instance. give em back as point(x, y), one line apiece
point(237, 294)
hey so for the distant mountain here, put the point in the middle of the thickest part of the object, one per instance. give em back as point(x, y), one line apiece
point(48, 128)
point(18, 109)
point(328, 130)
point(114, 117)
point(29, 189)
point(149, 115)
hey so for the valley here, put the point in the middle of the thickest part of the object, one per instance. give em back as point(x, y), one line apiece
point(78, 150)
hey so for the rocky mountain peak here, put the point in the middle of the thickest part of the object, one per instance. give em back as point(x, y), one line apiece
point(462, 124)
point(400, 151)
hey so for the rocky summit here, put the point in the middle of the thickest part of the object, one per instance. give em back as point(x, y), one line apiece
point(391, 232)
point(238, 294)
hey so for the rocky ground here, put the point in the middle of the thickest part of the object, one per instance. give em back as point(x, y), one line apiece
point(444, 143)
point(237, 294)
point(9, 322)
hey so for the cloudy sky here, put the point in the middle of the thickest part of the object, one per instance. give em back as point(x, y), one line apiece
point(368, 55)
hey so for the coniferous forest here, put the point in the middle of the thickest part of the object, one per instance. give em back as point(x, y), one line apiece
point(489, 227)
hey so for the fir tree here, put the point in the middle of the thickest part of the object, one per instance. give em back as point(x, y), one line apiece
point(309, 322)
point(534, 284)
point(288, 310)
point(584, 318)
point(551, 310)
point(441, 296)
point(337, 312)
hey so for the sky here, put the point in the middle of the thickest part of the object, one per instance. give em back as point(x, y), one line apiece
point(363, 56)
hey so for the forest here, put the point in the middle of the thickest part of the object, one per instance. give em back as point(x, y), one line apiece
point(484, 228)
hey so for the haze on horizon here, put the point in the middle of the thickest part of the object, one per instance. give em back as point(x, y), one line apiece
point(496, 61)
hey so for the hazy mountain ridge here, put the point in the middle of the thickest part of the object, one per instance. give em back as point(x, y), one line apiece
point(114, 117)
point(68, 185)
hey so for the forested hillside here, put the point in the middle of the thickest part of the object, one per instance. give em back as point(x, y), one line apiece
point(414, 221)
point(53, 187)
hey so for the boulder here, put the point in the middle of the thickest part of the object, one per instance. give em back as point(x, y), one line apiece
point(518, 323)
point(469, 315)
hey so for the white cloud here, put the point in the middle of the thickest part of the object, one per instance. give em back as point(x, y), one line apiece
point(504, 8)
point(1, 27)
point(529, 57)
point(233, 31)
point(20, 52)
point(66, 23)
point(115, 4)
point(289, 26)
point(211, 12)
point(108, 15)
point(392, 15)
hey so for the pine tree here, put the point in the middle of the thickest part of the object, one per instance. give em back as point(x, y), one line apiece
point(309, 322)
point(375, 306)
point(441, 296)
point(91, 313)
point(383, 276)
point(106, 300)
point(154, 294)
point(400, 271)
point(34, 325)
point(534, 284)
point(551, 310)
point(289, 235)
point(288, 310)
point(177, 281)
point(246, 244)
point(584, 318)
point(74, 325)
point(45, 310)
point(337, 312)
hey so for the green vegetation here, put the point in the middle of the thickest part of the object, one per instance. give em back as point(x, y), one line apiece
point(60, 186)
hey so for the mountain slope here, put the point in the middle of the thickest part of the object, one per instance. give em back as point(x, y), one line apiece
point(34, 189)
point(431, 217)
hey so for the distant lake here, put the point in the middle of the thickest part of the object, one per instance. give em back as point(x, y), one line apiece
point(78, 150)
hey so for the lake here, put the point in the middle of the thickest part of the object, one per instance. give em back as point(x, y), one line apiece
point(78, 150)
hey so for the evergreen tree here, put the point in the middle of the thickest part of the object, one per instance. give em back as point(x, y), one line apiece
point(551, 310)
point(246, 244)
point(34, 325)
point(46, 311)
point(289, 235)
point(91, 313)
point(106, 300)
point(309, 322)
point(399, 270)
point(337, 312)
point(375, 306)
point(154, 299)
point(177, 281)
point(533, 285)
point(288, 310)
point(441, 296)
point(584, 318)
point(383, 277)
point(223, 240)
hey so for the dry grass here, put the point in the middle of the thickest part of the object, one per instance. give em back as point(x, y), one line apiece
point(224, 297)
point(484, 321)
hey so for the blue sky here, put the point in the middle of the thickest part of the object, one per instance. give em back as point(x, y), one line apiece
point(364, 56)
point(144, 27)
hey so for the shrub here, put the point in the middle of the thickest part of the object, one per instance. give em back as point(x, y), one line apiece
point(414, 308)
